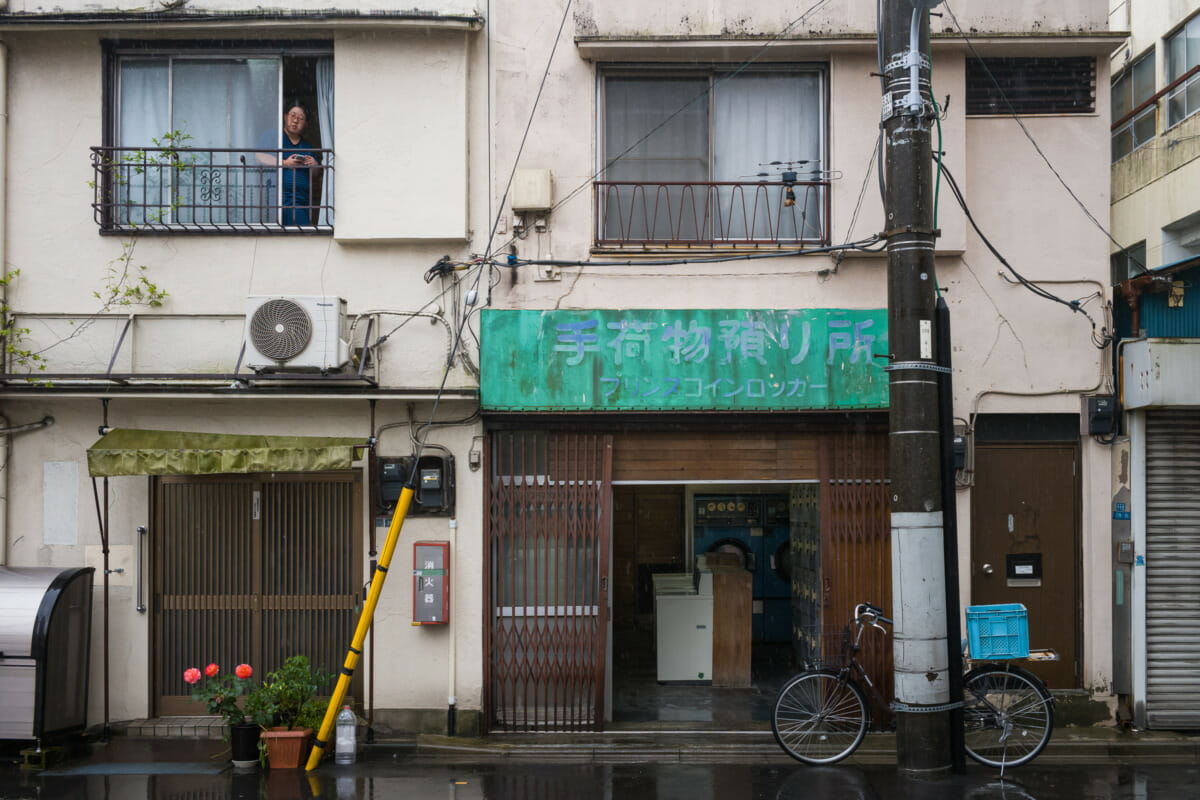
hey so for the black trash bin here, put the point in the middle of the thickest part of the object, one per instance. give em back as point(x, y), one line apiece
point(45, 642)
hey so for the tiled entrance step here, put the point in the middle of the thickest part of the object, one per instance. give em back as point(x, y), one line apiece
point(177, 728)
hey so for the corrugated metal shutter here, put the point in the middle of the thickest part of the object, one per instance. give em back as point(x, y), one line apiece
point(1172, 564)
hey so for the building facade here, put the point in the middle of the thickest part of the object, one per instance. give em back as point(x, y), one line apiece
point(619, 284)
point(1155, 260)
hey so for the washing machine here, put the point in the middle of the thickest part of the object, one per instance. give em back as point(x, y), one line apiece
point(733, 524)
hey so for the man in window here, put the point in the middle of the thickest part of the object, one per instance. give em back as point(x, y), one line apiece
point(299, 158)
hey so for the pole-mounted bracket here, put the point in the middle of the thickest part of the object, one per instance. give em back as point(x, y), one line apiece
point(934, 232)
point(928, 366)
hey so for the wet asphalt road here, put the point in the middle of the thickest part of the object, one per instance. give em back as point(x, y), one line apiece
point(199, 771)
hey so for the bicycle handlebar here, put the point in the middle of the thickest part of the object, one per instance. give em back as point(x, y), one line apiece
point(870, 614)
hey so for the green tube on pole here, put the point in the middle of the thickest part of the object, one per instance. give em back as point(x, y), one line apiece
point(360, 633)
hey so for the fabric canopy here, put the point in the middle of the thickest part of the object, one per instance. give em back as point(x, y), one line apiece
point(126, 451)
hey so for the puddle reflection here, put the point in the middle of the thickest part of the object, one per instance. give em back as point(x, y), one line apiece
point(521, 780)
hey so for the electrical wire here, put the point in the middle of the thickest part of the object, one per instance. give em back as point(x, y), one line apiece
point(724, 77)
point(870, 244)
point(1016, 118)
point(524, 136)
point(1100, 338)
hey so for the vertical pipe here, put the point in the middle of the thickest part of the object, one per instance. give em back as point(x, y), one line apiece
point(1137, 573)
point(452, 632)
point(6, 440)
point(950, 526)
point(371, 467)
point(104, 544)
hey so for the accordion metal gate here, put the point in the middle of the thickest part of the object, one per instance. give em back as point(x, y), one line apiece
point(548, 530)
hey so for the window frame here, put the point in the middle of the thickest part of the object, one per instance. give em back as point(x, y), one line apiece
point(116, 51)
point(1128, 76)
point(709, 71)
point(713, 72)
point(1180, 34)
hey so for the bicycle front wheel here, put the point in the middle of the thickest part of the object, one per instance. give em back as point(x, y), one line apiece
point(819, 717)
point(1007, 716)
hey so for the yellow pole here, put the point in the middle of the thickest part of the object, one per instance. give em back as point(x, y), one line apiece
point(360, 633)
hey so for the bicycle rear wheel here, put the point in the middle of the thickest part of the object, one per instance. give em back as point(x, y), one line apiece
point(819, 717)
point(1007, 715)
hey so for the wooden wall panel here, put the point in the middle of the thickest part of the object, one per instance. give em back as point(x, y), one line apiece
point(703, 455)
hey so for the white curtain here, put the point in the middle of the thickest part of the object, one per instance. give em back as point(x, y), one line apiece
point(325, 118)
point(219, 103)
point(144, 116)
point(759, 118)
point(677, 151)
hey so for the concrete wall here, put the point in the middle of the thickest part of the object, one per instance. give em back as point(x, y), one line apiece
point(1154, 186)
point(426, 96)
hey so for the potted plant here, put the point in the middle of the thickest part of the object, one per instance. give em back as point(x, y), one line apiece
point(237, 700)
point(289, 698)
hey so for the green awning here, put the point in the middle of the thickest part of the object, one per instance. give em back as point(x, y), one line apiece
point(126, 451)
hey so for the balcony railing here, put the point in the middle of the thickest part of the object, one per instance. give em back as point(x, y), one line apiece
point(208, 190)
point(720, 214)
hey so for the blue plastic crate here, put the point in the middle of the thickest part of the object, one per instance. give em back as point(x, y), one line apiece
point(998, 632)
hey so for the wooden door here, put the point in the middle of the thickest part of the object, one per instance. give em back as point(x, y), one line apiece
point(253, 569)
point(1025, 516)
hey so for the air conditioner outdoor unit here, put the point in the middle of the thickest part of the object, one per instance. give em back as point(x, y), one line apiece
point(296, 333)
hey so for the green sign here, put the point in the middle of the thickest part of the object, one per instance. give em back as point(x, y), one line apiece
point(679, 360)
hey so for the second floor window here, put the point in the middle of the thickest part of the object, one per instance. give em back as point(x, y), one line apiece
point(1183, 55)
point(1131, 89)
point(712, 158)
point(222, 140)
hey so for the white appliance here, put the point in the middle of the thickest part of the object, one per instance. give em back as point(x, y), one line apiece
point(296, 333)
point(683, 623)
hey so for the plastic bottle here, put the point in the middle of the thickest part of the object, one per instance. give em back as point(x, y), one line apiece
point(344, 741)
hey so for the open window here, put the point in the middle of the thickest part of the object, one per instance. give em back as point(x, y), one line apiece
point(195, 138)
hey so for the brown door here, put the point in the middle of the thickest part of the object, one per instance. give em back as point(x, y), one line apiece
point(548, 532)
point(1024, 544)
point(254, 569)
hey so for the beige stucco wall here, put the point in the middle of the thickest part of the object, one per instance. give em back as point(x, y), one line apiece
point(412, 662)
point(398, 183)
point(1013, 353)
point(426, 95)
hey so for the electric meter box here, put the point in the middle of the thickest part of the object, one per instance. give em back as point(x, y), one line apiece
point(431, 583)
point(433, 495)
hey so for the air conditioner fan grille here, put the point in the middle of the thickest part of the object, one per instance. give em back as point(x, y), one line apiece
point(280, 329)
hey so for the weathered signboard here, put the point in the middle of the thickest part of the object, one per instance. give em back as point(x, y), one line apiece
point(683, 359)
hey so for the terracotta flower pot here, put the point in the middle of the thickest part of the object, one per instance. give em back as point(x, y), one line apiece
point(286, 749)
point(243, 740)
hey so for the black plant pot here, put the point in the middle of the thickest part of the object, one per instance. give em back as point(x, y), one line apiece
point(243, 739)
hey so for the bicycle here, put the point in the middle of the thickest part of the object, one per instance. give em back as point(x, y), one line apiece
point(821, 715)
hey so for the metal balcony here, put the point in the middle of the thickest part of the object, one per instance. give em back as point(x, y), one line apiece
point(711, 215)
point(204, 190)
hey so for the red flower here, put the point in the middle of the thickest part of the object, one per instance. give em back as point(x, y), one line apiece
point(211, 670)
point(191, 675)
point(243, 671)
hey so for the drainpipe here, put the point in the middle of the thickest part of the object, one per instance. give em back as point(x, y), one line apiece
point(4, 446)
point(450, 730)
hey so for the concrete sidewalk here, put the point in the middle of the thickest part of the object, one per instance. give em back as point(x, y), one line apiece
point(1066, 746)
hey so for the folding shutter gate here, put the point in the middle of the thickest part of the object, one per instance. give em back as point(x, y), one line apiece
point(548, 548)
point(253, 568)
point(1172, 564)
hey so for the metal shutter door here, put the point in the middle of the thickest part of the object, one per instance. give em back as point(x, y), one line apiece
point(1172, 567)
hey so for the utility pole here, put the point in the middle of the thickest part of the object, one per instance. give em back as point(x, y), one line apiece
point(918, 573)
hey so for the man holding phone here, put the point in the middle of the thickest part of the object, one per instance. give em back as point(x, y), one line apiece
point(299, 158)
